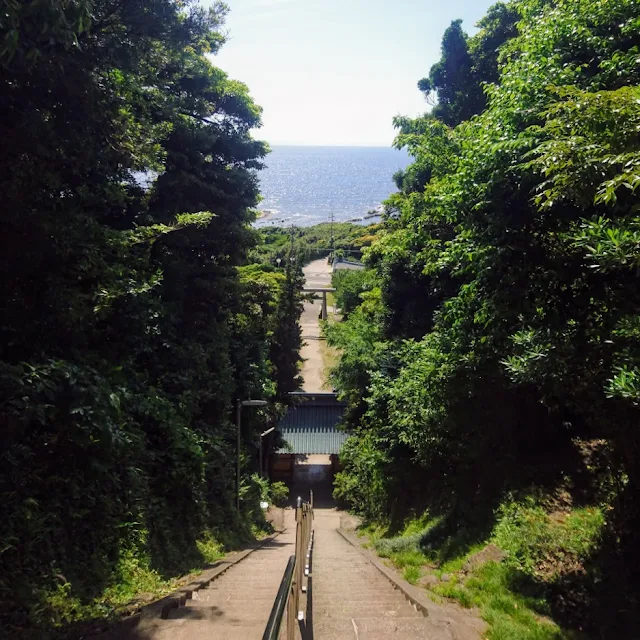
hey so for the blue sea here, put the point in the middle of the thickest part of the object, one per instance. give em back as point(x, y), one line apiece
point(305, 185)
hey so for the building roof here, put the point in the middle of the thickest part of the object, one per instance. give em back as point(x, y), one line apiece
point(315, 441)
point(344, 264)
point(324, 398)
point(312, 428)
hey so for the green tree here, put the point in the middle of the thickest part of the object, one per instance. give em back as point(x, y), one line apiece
point(508, 289)
point(457, 79)
point(349, 285)
point(459, 96)
point(287, 339)
point(132, 322)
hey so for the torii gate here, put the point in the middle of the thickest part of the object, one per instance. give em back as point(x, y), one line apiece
point(324, 292)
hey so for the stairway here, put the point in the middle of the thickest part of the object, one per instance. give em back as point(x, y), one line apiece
point(235, 606)
point(348, 598)
point(352, 599)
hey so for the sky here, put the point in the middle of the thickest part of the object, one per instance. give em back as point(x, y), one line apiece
point(336, 72)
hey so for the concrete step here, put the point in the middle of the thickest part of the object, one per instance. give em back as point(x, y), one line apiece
point(257, 590)
point(360, 609)
point(237, 616)
point(231, 605)
point(372, 628)
point(240, 596)
point(361, 595)
point(376, 599)
point(233, 585)
point(244, 613)
point(324, 569)
point(365, 579)
point(354, 590)
point(197, 630)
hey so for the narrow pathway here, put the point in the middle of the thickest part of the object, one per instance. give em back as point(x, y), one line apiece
point(348, 598)
point(351, 599)
point(235, 606)
point(317, 274)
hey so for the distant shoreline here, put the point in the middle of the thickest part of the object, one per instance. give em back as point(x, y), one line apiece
point(271, 217)
point(330, 146)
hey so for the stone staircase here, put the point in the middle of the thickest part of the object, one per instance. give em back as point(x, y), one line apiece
point(352, 599)
point(236, 606)
point(347, 598)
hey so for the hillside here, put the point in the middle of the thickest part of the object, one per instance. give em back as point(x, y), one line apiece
point(491, 366)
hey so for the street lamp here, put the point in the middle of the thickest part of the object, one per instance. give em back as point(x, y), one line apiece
point(242, 403)
point(262, 435)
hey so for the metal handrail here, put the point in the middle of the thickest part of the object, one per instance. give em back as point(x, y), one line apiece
point(272, 631)
point(292, 583)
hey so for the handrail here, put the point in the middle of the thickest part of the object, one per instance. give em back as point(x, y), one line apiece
point(272, 631)
point(292, 583)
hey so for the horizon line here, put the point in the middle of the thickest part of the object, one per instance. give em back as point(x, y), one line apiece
point(316, 144)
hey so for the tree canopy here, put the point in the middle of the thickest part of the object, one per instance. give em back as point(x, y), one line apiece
point(506, 331)
point(132, 320)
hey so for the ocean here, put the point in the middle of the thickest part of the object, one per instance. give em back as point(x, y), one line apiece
point(305, 185)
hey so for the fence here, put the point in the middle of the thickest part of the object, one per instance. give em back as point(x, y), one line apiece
point(295, 579)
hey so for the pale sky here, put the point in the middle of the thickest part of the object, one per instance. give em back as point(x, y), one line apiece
point(335, 72)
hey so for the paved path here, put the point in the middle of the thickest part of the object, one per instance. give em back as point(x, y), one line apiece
point(351, 599)
point(235, 606)
point(317, 274)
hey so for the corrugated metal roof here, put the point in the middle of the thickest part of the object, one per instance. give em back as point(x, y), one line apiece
point(347, 264)
point(309, 441)
point(312, 429)
point(308, 416)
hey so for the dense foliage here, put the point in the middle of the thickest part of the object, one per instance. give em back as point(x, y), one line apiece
point(350, 284)
point(310, 243)
point(132, 320)
point(499, 350)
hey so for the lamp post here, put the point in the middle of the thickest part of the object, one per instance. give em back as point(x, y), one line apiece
point(262, 435)
point(242, 403)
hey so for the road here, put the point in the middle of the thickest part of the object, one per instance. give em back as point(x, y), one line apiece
point(317, 274)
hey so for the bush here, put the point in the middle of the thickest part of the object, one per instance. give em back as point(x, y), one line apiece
point(350, 284)
point(279, 493)
point(543, 545)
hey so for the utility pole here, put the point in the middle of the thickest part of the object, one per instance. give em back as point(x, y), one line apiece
point(292, 232)
point(331, 237)
point(242, 403)
point(262, 435)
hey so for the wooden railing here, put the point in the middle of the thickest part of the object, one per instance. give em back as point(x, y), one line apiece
point(295, 579)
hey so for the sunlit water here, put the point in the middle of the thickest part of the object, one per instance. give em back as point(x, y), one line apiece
point(304, 185)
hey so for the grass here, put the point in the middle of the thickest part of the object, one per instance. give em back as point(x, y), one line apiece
point(509, 614)
point(210, 548)
point(133, 582)
point(412, 574)
point(544, 545)
point(456, 563)
point(329, 357)
point(511, 596)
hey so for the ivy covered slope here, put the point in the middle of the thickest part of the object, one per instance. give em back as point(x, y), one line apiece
point(497, 358)
point(131, 318)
